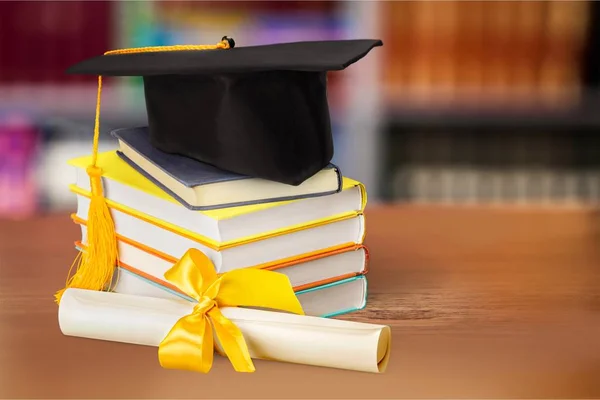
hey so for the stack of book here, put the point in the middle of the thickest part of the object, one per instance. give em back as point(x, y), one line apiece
point(164, 204)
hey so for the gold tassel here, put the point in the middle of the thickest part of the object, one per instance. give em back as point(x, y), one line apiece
point(96, 266)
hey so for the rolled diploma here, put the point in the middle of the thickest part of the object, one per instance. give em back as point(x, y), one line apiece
point(269, 335)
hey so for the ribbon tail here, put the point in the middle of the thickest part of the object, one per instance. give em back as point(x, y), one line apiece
point(208, 344)
point(189, 345)
point(232, 341)
point(251, 287)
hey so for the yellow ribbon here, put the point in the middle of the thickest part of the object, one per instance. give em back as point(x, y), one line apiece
point(190, 344)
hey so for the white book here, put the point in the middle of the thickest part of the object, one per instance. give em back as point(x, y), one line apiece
point(340, 297)
point(303, 273)
point(297, 243)
point(128, 191)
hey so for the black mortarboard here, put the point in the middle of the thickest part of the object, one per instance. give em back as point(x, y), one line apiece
point(260, 111)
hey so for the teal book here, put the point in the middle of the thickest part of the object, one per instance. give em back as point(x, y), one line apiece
point(329, 300)
point(200, 186)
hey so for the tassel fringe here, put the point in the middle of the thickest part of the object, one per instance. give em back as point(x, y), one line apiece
point(97, 264)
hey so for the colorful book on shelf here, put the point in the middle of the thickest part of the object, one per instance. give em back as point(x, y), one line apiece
point(200, 186)
point(19, 141)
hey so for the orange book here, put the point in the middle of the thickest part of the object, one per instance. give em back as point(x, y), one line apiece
point(469, 63)
point(394, 31)
point(528, 45)
point(498, 38)
point(327, 283)
point(420, 66)
point(309, 271)
point(443, 57)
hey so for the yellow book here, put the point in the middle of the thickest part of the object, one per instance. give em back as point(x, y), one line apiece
point(142, 212)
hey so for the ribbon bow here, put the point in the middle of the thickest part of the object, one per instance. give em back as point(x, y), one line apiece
point(189, 345)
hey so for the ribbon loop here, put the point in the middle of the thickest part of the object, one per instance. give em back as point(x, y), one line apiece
point(190, 343)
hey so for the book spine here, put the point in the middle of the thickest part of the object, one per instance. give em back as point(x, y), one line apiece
point(422, 51)
point(565, 28)
point(528, 46)
point(499, 38)
point(470, 45)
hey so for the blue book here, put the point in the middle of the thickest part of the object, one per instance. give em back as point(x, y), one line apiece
point(341, 297)
point(200, 186)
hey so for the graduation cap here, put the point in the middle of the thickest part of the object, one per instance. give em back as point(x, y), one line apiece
point(260, 111)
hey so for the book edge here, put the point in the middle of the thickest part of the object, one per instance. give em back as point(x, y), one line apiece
point(115, 133)
point(225, 205)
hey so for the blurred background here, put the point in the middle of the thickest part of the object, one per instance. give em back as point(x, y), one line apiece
point(466, 102)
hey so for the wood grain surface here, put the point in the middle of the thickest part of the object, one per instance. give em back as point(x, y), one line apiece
point(483, 303)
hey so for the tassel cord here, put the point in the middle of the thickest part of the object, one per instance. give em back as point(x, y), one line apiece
point(96, 266)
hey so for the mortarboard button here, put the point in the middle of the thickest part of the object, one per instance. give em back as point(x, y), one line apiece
point(230, 41)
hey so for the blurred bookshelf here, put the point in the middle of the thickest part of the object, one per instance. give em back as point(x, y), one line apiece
point(466, 102)
point(491, 103)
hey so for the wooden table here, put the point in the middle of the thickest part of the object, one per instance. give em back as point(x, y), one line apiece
point(482, 302)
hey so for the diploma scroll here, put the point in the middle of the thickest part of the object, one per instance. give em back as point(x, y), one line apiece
point(269, 335)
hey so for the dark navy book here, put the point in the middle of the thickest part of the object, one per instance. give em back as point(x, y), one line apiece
point(200, 186)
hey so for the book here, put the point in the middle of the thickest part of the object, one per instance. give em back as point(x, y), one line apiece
point(129, 193)
point(319, 268)
point(200, 186)
point(19, 142)
point(329, 300)
point(566, 28)
point(265, 251)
